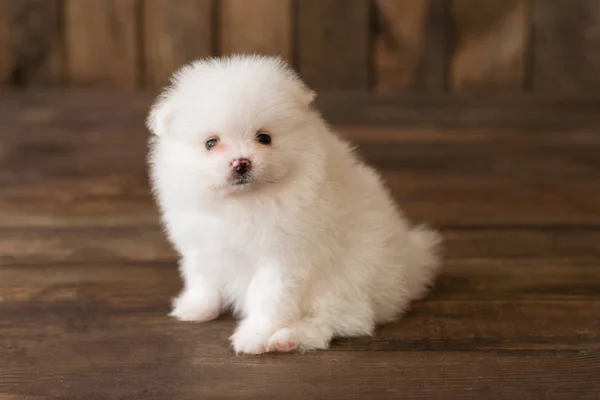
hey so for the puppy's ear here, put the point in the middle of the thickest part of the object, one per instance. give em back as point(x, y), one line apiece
point(304, 94)
point(309, 95)
point(160, 117)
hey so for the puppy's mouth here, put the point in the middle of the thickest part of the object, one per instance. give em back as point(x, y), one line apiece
point(241, 181)
point(247, 182)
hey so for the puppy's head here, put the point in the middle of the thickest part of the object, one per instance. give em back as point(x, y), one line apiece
point(235, 124)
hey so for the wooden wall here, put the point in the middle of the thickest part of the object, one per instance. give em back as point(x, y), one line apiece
point(382, 45)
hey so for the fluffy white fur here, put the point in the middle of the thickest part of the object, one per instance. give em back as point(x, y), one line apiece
point(312, 246)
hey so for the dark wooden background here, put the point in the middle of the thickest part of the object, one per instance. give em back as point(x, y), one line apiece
point(489, 46)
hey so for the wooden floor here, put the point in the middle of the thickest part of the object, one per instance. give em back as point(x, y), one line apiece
point(86, 275)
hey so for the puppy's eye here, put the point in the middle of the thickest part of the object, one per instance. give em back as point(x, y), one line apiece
point(263, 138)
point(210, 143)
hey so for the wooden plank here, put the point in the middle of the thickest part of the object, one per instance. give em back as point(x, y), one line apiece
point(475, 201)
point(258, 26)
point(490, 44)
point(474, 306)
point(5, 57)
point(32, 51)
point(567, 39)
point(542, 280)
point(62, 220)
point(135, 242)
point(175, 35)
point(87, 351)
point(429, 326)
point(101, 42)
point(66, 240)
point(333, 47)
point(470, 112)
point(495, 202)
point(511, 243)
point(411, 45)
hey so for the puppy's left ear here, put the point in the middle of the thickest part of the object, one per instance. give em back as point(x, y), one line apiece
point(160, 117)
point(309, 95)
point(304, 94)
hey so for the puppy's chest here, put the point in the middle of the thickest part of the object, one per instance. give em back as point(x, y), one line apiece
point(234, 233)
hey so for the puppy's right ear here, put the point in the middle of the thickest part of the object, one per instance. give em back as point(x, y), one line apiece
point(160, 117)
point(308, 96)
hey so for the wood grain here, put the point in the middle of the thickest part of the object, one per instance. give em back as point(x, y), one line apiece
point(567, 38)
point(543, 280)
point(521, 243)
point(175, 35)
point(491, 176)
point(29, 245)
point(106, 356)
point(258, 26)
point(32, 42)
point(411, 45)
point(101, 42)
point(60, 239)
point(468, 111)
point(419, 181)
point(87, 276)
point(333, 47)
point(490, 44)
point(443, 322)
point(5, 58)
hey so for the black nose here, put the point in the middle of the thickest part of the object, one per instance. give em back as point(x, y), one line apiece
point(241, 165)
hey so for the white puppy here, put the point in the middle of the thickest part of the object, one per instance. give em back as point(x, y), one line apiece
point(273, 215)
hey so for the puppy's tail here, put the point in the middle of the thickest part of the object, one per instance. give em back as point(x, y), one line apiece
point(425, 258)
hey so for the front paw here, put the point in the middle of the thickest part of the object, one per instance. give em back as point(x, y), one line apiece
point(198, 307)
point(252, 337)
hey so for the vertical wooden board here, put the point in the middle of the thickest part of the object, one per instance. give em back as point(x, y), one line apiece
point(411, 45)
point(101, 42)
point(31, 51)
point(490, 44)
point(256, 26)
point(333, 43)
point(567, 46)
point(175, 32)
point(5, 63)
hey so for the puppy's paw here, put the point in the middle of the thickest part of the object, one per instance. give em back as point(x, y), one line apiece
point(196, 307)
point(284, 340)
point(301, 336)
point(251, 337)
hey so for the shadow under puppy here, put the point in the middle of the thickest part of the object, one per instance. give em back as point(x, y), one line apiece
point(273, 215)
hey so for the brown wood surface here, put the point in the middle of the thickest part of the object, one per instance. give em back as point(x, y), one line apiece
point(411, 45)
point(175, 34)
point(333, 47)
point(417, 160)
point(31, 42)
point(257, 26)
point(490, 44)
point(566, 43)
point(101, 42)
point(5, 58)
point(65, 240)
point(86, 274)
point(473, 111)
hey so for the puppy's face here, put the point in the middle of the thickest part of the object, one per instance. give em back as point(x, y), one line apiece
point(235, 128)
point(231, 152)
